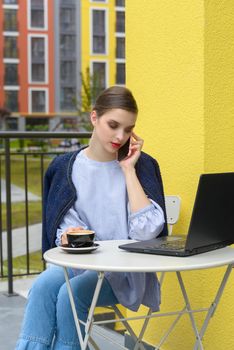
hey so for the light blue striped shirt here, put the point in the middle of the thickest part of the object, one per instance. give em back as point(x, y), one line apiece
point(102, 206)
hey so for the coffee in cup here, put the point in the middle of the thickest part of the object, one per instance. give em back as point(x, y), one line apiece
point(78, 238)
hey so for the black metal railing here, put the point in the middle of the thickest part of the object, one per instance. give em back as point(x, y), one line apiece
point(40, 149)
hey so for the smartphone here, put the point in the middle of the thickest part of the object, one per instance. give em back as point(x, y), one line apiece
point(123, 151)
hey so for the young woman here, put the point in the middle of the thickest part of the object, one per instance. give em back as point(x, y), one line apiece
point(118, 200)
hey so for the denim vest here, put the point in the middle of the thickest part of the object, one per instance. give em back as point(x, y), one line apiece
point(59, 193)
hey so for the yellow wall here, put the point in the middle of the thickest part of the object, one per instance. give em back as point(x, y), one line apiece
point(179, 63)
point(219, 85)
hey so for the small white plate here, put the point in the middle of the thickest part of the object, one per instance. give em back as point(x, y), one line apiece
point(81, 250)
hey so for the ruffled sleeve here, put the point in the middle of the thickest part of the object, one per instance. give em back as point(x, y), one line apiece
point(147, 223)
point(71, 219)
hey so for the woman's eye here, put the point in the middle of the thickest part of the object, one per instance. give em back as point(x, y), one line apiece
point(112, 126)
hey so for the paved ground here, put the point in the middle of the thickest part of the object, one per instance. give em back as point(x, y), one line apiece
point(10, 319)
point(11, 315)
point(17, 193)
point(19, 235)
point(19, 241)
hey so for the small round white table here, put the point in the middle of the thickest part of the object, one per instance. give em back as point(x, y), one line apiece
point(108, 257)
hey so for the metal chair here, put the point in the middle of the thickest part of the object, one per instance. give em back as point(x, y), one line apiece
point(173, 213)
point(173, 204)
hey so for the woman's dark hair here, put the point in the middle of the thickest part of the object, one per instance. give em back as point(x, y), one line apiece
point(115, 97)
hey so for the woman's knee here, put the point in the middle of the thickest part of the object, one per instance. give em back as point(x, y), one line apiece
point(48, 283)
point(82, 289)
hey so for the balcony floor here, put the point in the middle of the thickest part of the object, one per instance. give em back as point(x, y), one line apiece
point(11, 315)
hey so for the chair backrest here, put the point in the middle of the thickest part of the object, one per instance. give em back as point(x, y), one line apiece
point(173, 210)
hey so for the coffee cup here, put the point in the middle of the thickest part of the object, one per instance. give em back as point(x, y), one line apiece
point(78, 238)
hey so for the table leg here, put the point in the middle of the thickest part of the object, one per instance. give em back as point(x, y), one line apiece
point(188, 308)
point(89, 322)
point(73, 306)
point(143, 329)
point(215, 303)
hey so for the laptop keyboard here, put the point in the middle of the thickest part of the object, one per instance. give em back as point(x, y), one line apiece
point(170, 245)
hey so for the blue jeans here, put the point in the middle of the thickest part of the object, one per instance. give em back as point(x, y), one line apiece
point(48, 320)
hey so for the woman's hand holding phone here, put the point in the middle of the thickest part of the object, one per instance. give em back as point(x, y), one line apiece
point(134, 151)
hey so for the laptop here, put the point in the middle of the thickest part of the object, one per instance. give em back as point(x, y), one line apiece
point(211, 226)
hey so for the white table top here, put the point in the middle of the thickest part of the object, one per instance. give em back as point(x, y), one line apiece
point(108, 257)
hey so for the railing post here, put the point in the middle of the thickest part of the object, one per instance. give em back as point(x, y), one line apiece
point(8, 218)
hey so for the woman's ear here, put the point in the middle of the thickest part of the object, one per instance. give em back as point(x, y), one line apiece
point(93, 117)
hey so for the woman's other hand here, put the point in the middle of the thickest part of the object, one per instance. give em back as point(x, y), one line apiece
point(64, 234)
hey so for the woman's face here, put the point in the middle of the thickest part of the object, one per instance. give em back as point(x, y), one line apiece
point(112, 129)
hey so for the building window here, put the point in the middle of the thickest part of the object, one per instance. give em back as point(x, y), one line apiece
point(120, 47)
point(38, 59)
point(99, 31)
point(12, 124)
point(10, 2)
point(38, 72)
point(120, 3)
point(38, 101)
point(11, 100)
point(10, 20)
point(67, 19)
point(37, 48)
point(67, 99)
point(67, 46)
point(68, 72)
point(120, 22)
point(120, 73)
point(98, 77)
point(67, 2)
point(11, 74)
point(10, 47)
point(33, 124)
point(37, 14)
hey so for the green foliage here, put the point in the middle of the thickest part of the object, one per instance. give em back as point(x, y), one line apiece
point(19, 213)
point(40, 143)
point(34, 186)
point(90, 88)
point(39, 127)
point(20, 264)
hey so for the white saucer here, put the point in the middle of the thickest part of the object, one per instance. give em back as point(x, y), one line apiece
point(81, 250)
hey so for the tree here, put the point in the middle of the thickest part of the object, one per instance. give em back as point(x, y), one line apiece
point(90, 88)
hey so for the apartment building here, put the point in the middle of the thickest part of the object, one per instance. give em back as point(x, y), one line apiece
point(45, 45)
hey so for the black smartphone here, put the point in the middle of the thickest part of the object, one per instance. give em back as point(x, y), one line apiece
point(123, 151)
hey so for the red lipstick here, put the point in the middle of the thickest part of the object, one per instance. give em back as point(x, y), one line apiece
point(115, 145)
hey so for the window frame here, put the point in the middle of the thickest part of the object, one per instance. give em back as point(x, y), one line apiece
point(120, 6)
point(12, 89)
point(99, 1)
point(15, 22)
point(106, 69)
point(16, 83)
point(120, 61)
point(15, 36)
point(106, 23)
point(29, 8)
point(46, 63)
point(120, 10)
point(37, 89)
